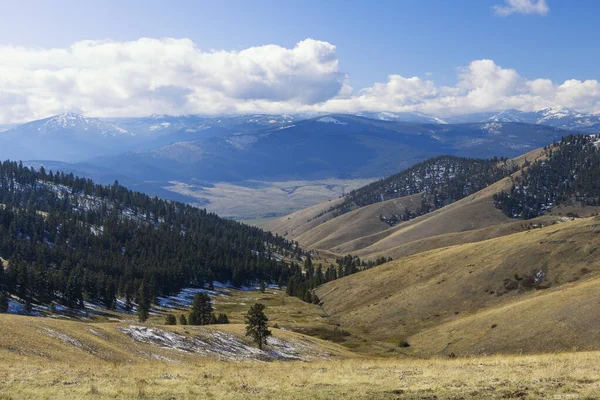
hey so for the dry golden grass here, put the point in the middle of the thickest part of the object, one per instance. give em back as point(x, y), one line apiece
point(362, 233)
point(455, 294)
point(300, 221)
point(356, 224)
point(558, 376)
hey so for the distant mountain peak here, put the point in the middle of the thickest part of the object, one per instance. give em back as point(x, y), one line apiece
point(414, 116)
point(74, 121)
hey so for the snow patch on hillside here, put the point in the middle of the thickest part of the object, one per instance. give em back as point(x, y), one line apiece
point(185, 297)
point(331, 120)
point(218, 344)
point(492, 128)
point(63, 337)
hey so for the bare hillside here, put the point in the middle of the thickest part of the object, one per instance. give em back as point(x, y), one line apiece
point(450, 289)
point(363, 233)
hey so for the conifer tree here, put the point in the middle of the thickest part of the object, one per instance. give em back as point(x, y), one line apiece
point(182, 320)
point(222, 319)
point(202, 310)
point(3, 302)
point(257, 325)
point(143, 309)
point(170, 320)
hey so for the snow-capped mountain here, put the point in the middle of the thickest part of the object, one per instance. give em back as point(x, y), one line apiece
point(78, 124)
point(65, 137)
point(514, 116)
point(558, 117)
point(415, 116)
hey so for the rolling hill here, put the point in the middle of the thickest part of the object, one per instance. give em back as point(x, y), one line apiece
point(476, 276)
point(526, 292)
point(368, 231)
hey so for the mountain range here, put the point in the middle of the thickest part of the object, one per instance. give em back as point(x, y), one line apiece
point(340, 146)
point(72, 137)
point(150, 153)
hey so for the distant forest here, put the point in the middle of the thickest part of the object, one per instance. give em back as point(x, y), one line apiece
point(569, 172)
point(441, 180)
point(66, 239)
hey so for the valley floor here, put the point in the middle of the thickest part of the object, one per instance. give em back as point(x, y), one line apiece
point(255, 202)
point(560, 376)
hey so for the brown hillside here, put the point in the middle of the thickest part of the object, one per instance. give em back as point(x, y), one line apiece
point(440, 288)
point(362, 233)
point(356, 224)
point(300, 221)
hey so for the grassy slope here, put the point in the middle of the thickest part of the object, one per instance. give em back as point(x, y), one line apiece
point(34, 365)
point(356, 224)
point(361, 232)
point(300, 221)
point(451, 289)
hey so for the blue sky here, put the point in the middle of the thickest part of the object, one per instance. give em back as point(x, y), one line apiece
point(428, 39)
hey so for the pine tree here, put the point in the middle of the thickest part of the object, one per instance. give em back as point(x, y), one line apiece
point(182, 320)
point(3, 302)
point(3, 288)
point(257, 325)
point(143, 309)
point(74, 291)
point(202, 310)
point(170, 320)
point(222, 319)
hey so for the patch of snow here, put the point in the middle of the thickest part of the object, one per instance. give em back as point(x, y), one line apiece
point(331, 120)
point(493, 128)
point(218, 344)
point(185, 297)
point(64, 337)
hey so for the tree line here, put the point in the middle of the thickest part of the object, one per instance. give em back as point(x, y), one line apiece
point(568, 172)
point(69, 240)
point(302, 283)
point(440, 180)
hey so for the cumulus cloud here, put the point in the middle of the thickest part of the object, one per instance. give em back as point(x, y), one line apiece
point(174, 76)
point(510, 7)
point(165, 76)
point(481, 86)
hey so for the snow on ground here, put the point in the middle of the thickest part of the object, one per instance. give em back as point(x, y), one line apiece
point(17, 306)
point(185, 297)
point(218, 344)
point(331, 120)
point(64, 337)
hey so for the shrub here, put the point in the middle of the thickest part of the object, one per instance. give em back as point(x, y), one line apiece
point(170, 320)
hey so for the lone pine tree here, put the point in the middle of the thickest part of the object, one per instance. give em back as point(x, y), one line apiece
point(202, 310)
point(143, 309)
point(257, 325)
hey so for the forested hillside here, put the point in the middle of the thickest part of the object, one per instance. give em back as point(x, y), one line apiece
point(442, 180)
point(569, 172)
point(67, 239)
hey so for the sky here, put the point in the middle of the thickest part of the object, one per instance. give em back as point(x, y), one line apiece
point(135, 58)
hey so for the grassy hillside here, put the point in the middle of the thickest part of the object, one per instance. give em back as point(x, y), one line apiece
point(362, 231)
point(50, 359)
point(454, 289)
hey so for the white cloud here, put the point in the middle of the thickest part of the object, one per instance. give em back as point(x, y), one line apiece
point(522, 7)
point(110, 78)
point(174, 76)
point(481, 86)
